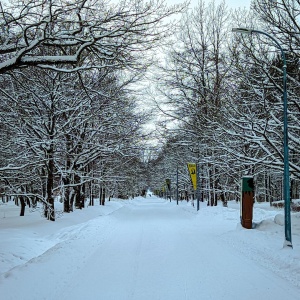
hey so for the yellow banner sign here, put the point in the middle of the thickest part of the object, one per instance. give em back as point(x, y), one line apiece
point(193, 173)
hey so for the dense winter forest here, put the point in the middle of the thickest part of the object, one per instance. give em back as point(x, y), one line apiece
point(76, 106)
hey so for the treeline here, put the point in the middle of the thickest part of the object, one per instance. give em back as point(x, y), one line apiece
point(223, 91)
point(69, 124)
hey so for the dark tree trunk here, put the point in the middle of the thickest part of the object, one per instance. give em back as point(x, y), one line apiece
point(50, 213)
point(82, 195)
point(223, 199)
point(23, 204)
point(91, 195)
point(28, 199)
point(67, 180)
point(44, 185)
point(103, 197)
point(67, 200)
point(78, 194)
point(72, 201)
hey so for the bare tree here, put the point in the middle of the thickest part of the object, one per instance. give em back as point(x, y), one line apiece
point(195, 76)
point(69, 36)
point(254, 107)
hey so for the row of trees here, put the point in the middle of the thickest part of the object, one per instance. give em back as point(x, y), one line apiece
point(225, 93)
point(69, 123)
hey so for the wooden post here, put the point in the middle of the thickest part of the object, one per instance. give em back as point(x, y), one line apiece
point(247, 200)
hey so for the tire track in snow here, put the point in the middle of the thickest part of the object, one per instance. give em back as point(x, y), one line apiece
point(136, 264)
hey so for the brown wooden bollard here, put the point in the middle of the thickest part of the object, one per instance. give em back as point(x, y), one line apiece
point(247, 201)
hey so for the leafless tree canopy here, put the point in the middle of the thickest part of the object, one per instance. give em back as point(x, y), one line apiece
point(79, 34)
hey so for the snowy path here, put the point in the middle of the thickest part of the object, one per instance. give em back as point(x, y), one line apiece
point(146, 250)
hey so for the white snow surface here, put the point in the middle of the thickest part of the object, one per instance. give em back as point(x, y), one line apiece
point(148, 249)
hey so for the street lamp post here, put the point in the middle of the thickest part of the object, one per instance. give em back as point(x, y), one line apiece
point(286, 179)
point(177, 175)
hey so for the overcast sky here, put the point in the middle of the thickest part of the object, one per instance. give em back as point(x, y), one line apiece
point(230, 3)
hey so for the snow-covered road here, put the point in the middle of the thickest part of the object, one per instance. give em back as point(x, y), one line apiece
point(146, 250)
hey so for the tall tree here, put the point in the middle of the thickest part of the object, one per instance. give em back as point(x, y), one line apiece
point(195, 77)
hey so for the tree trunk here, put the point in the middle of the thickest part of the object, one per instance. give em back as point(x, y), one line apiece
point(78, 195)
point(66, 182)
point(72, 198)
point(23, 204)
point(44, 185)
point(100, 195)
point(91, 195)
point(67, 178)
point(82, 195)
point(103, 197)
point(209, 200)
point(223, 199)
point(50, 181)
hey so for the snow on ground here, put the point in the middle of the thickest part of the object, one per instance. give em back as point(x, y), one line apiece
point(148, 249)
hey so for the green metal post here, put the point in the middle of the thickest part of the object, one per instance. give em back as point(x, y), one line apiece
point(198, 187)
